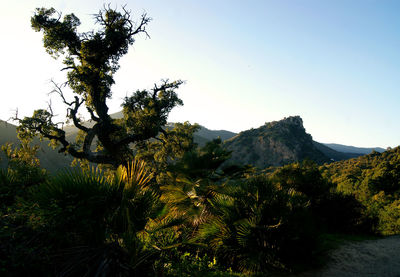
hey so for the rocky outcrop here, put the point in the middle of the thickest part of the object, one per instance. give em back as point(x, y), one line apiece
point(273, 144)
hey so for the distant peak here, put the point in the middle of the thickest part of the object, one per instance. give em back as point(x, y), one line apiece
point(296, 120)
point(291, 120)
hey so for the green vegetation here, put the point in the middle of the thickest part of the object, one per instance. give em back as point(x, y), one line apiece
point(168, 207)
point(374, 180)
point(195, 217)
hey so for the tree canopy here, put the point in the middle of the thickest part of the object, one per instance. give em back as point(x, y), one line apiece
point(91, 60)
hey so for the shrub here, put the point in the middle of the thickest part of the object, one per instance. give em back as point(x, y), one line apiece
point(259, 226)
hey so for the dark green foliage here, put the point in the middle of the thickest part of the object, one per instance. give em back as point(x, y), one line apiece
point(202, 162)
point(332, 210)
point(188, 265)
point(145, 114)
point(76, 203)
point(22, 172)
point(82, 223)
point(21, 248)
point(8, 189)
point(98, 220)
point(305, 178)
point(204, 219)
point(169, 147)
point(24, 250)
point(258, 226)
point(342, 213)
point(195, 179)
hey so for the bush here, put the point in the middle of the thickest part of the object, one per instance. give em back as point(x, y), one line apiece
point(342, 213)
point(259, 226)
point(389, 219)
point(98, 224)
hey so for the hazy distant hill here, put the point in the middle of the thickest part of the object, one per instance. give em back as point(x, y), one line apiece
point(275, 143)
point(333, 151)
point(49, 159)
point(333, 154)
point(7, 134)
point(203, 135)
point(200, 137)
point(353, 149)
point(53, 161)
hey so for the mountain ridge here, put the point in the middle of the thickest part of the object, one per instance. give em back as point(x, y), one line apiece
point(274, 144)
point(354, 149)
point(205, 134)
point(320, 152)
point(49, 158)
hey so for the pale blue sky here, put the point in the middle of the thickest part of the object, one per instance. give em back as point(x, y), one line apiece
point(334, 63)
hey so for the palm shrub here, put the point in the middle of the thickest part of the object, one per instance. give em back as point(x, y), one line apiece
point(100, 224)
point(194, 180)
point(259, 226)
point(188, 188)
point(304, 177)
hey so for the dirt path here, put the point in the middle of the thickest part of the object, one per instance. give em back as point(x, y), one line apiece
point(380, 258)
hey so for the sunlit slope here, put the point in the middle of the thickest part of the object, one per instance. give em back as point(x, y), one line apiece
point(278, 143)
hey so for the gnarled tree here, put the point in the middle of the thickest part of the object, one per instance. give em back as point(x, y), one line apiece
point(91, 60)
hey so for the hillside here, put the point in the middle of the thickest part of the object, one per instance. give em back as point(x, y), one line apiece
point(335, 155)
point(203, 135)
point(53, 161)
point(353, 149)
point(8, 134)
point(333, 151)
point(374, 180)
point(275, 143)
point(49, 159)
point(375, 172)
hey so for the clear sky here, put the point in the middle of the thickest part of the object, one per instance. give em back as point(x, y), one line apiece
point(334, 63)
